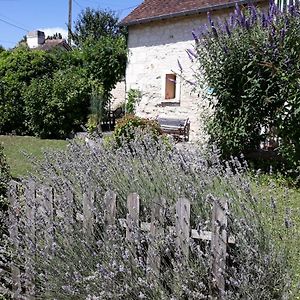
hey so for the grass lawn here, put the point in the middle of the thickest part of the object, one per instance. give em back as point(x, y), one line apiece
point(282, 218)
point(15, 146)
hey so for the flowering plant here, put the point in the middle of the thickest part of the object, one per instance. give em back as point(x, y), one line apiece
point(251, 62)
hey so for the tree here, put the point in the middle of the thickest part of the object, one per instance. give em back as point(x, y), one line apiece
point(55, 106)
point(105, 61)
point(55, 36)
point(94, 24)
point(22, 42)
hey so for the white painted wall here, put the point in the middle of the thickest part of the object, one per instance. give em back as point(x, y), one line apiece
point(35, 39)
point(154, 51)
point(118, 95)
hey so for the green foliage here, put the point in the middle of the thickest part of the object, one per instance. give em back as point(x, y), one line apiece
point(54, 107)
point(97, 110)
point(133, 97)
point(127, 126)
point(105, 60)
point(23, 64)
point(48, 93)
point(17, 69)
point(252, 65)
point(94, 24)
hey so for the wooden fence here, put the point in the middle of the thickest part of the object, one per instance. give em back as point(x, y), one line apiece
point(45, 197)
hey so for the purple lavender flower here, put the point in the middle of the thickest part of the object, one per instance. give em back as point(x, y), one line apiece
point(272, 9)
point(253, 14)
point(263, 20)
point(179, 65)
point(191, 54)
point(210, 21)
point(237, 10)
point(233, 20)
point(227, 28)
point(247, 24)
point(282, 34)
point(195, 37)
point(292, 10)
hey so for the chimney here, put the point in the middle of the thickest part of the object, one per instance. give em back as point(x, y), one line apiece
point(35, 38)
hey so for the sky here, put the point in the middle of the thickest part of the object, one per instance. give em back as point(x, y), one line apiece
point(17, 17)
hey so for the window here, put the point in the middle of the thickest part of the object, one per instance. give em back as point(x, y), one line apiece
point(170, 86)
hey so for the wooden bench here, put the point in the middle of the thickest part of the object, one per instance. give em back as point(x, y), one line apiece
point(179, 128)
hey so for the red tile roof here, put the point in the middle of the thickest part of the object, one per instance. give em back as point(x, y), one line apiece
point(50, 44)
point(151, 10)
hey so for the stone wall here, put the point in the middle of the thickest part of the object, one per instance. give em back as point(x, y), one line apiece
point(154, 51)
point(118, 95)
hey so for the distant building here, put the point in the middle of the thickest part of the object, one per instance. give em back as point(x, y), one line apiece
point(36, 40)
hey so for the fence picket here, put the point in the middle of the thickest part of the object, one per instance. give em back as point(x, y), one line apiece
point(48, 198)
point(88, 212)
point(132, 222)
point(156, 233)
point(30, 210)
point(110, 200)
point(50, 206)
point(13, 232)
point(219, 245)
point(183, 211)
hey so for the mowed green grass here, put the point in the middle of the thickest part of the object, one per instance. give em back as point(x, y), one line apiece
point(16, 146)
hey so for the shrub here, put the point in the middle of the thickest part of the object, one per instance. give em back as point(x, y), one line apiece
point(17, 68)
point(98, 110)
point(99, 266)
point(126, 128)
point(133, 98)
point(54, 107)
point(251, 64)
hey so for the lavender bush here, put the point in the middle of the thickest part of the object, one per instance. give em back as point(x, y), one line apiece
point(71, 264)
point(251, 64)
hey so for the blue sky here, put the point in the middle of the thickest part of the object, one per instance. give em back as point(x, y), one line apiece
point(49, 15)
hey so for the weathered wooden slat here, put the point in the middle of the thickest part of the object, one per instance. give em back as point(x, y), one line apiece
point(207, 236)
point(30, 210)
point(219, 245)
point(48, 198)
point(13, 232)
point(195, 234)
point(88, 212)
point(110, 200)
point(183, 211)
point(156, 234)
point(132, 220)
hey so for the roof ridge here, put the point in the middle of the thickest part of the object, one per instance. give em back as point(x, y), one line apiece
point(151, 10)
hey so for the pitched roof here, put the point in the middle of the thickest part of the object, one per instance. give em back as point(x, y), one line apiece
point(151, 10)
point(50, 44)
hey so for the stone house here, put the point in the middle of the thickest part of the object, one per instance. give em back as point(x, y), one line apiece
point(160, 32)
point(37, 40)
